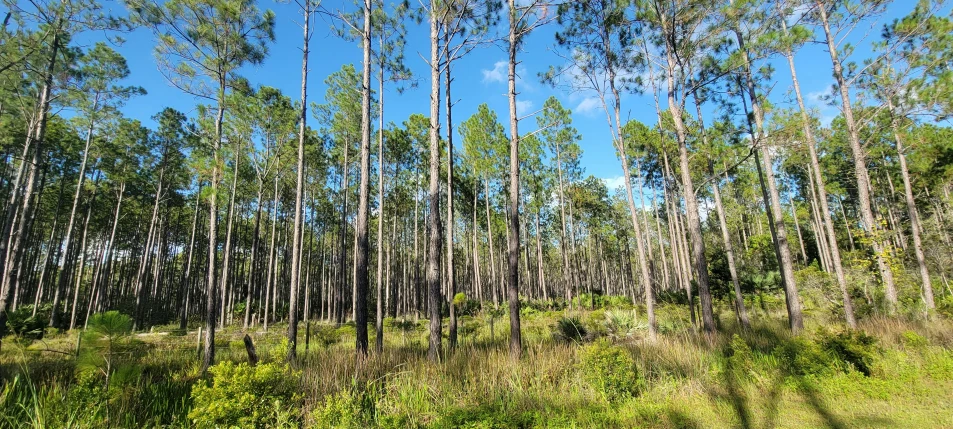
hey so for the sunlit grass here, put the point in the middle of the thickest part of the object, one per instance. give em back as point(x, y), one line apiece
point(687, 379)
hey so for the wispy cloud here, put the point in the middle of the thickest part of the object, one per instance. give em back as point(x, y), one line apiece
point(523, 107)
point(588, 106)
point(614, 183)
point(496, 74)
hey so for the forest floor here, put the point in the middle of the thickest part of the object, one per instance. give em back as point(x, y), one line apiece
point(580, 369)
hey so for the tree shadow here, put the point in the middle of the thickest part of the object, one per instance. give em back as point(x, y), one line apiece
point(764, 340)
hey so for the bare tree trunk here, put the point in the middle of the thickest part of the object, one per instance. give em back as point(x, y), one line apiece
point(67, 239)
point(723, 224)
point(211, 305)
point(512, 289)
point(433, 214)
point(451, 279)
point(82, 255)
point(186, 274)
point(299, 188)
point(913, 215)
point(379, 319)
point(13, 228)
point(227, 257)
point(489, 235)
point(871, 227)
point(362, 282)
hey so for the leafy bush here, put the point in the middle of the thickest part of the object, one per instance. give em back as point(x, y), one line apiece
point(246, 396)
point(570, 329)
point(345, 409)
point(944, 306)
point(622, 325)
point(801, 356)
point(913, 340)
point(465, 306)
point(24, 324)
point(325, 334)
point(851, 347)
point(610, 370)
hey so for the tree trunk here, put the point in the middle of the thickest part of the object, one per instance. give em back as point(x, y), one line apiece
point(361, 231)
point(299, 190)
point(913, 215)
point(871, 227)
point(785, 261)
point(512, 289)
point(379, 319)
point(433, 213)
point(451, 279)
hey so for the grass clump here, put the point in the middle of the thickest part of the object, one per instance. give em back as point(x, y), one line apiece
point(569, 329)
point(241, 395)
point(610, 370)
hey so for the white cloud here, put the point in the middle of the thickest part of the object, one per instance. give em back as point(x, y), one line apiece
point(614, 183)
point(523, 107)
point(818, 97)
point(497, 74)
point(588, 105)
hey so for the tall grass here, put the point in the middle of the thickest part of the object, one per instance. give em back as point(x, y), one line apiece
point(762, 376)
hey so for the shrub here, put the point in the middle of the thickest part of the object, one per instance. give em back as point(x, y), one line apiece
point(325, 335)
point(854, 348)
point(622, 325)
point(801, 356)
point(944, 306)
point(569, 329)
point(913, 340)
point(245, 396)
point(344, 409)
point(24, 324)
point(610, 370)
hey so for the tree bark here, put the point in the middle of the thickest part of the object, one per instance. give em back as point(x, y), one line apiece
point(871, 227)
point(513, 278)
point(362, 282)
point(433, 213)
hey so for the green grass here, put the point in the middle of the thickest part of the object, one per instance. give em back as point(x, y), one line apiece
point(763, 377)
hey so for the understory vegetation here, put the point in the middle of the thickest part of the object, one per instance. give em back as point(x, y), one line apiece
point(586, 367)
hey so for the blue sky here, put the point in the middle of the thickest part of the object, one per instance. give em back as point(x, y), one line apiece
point(480, 77)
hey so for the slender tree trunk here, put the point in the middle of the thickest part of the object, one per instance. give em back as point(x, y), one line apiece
point(211, 304)
point(13, 229)
point(299, 188)
point(362, 282)
point(451, 279)
point(433, 213)
point(379, 319)
point(785, 261)
point(512, 289)
point(913, 215)
point(70, 225)
point(185, 290)
point(871, 227)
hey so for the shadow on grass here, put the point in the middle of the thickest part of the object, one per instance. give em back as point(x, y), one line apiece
point(763, 340)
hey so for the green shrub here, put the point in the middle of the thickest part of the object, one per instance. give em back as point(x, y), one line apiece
point(570, 329)
point(914, 340)
point(801, 356)
point(622, 325)
point(246, 396)
point(24, 324)
point(325, 335)
point(944, 306)
point(610, 370)
point(854, 348)
point(344, 409)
